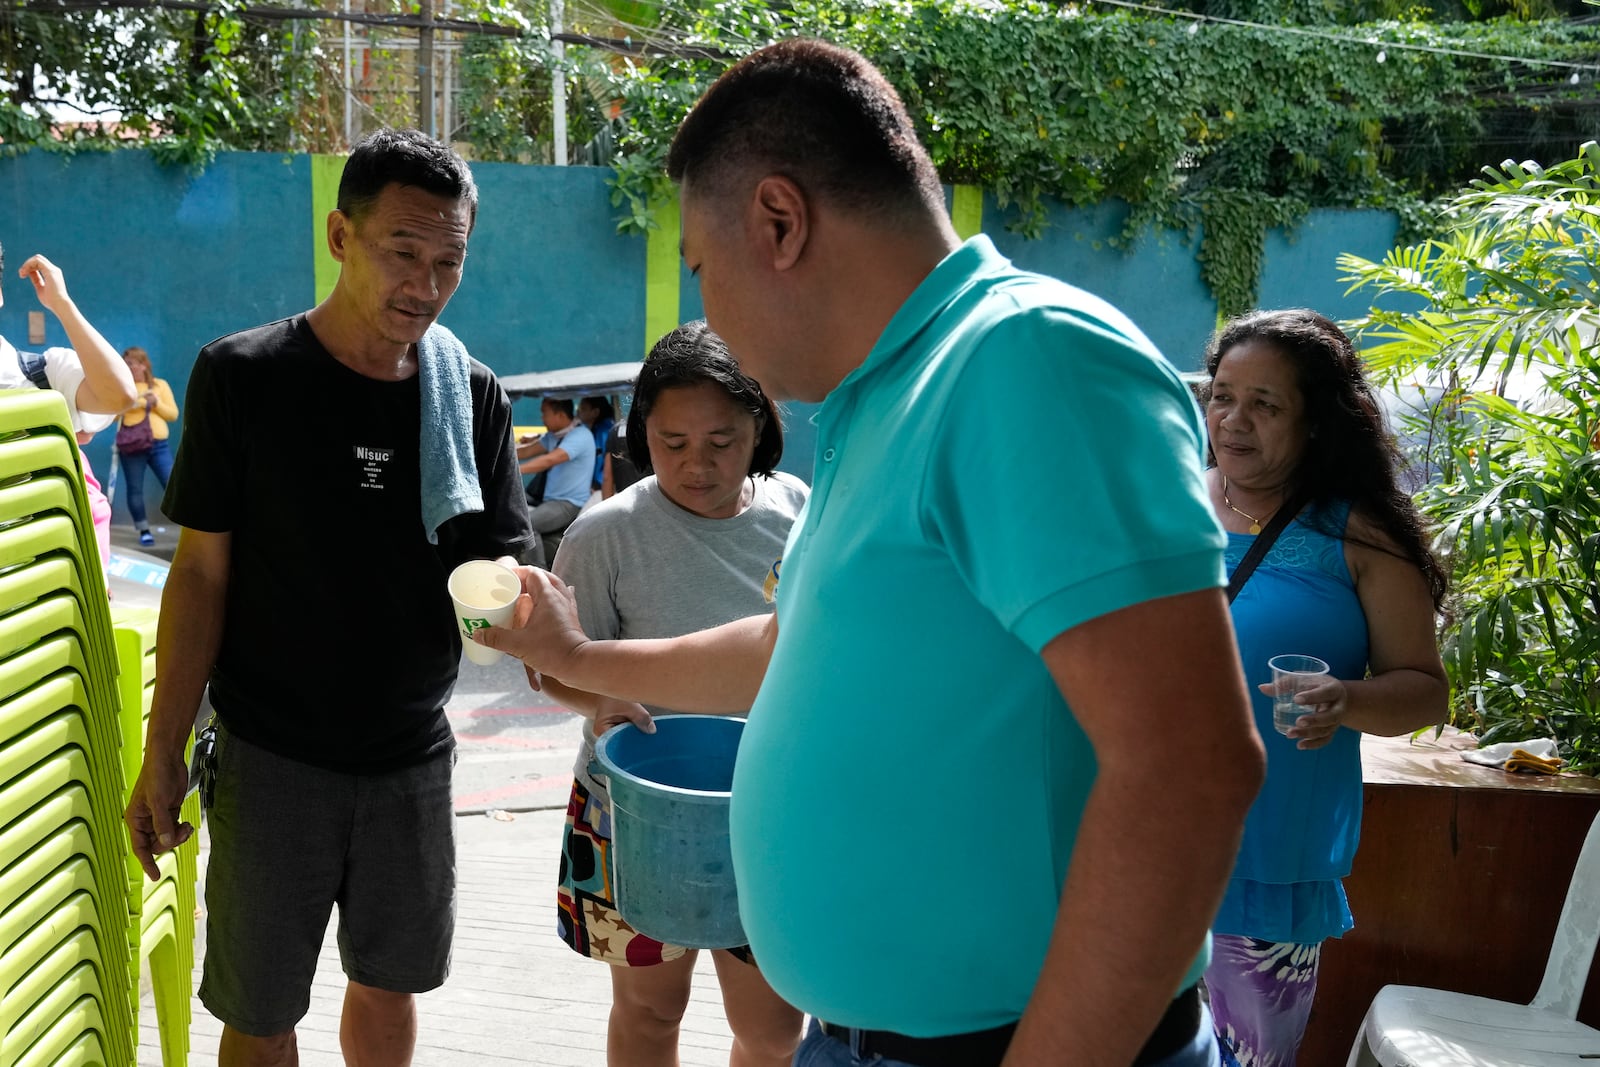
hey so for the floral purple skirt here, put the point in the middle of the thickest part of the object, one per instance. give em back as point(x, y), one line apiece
point(1261, 993)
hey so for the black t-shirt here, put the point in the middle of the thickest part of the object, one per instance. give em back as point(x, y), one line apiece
point(339, 645)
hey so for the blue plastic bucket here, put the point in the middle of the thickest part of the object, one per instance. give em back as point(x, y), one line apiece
point(672, 870)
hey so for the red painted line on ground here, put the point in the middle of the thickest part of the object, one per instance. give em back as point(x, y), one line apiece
point(506, 792)
point(484, 713)
point(514, 742)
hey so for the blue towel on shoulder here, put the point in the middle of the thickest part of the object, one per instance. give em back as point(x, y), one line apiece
point(449, 465)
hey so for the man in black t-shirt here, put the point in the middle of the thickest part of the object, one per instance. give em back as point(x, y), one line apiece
point(308, 591)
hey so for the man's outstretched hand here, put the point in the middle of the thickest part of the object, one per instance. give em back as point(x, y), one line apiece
point(545, 632)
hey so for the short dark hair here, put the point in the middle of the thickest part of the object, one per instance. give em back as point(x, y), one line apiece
point(819, 114)
point(694, 354)
point(559, 404)
point(602, 405)
point(387, 157)
point(1350, 455)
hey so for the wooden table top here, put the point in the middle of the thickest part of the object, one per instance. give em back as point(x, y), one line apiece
point(1436, 761)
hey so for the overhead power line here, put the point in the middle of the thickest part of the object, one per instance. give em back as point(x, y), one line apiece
point(1327, 35)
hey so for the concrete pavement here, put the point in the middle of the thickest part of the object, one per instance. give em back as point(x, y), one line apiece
point(516, 995)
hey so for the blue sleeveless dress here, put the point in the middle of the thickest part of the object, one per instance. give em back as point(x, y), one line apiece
point(1300, 835)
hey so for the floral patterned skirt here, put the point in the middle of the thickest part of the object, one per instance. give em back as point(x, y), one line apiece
point(1261, 993)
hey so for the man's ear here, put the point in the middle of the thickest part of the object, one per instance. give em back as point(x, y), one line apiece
point(782, 216)
point(340, 231)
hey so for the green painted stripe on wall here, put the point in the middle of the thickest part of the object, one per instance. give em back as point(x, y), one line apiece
point(325, 174)
point(966, 211)
point(662, 274)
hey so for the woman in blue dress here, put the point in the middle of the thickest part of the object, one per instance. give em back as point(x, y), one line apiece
point(1350, 580)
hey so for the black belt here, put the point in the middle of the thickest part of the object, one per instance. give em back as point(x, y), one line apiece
point(986, 1048)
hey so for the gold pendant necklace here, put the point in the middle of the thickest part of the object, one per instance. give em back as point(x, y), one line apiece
point(1255, 523)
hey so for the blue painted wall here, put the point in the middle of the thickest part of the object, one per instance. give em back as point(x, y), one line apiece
point(1301, 268)
point(170, 259)
point(549, 281)
point(158, 257)
point(1156, 282)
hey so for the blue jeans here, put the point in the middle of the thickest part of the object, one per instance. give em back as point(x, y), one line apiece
point(820, 1050)
point(159, 460)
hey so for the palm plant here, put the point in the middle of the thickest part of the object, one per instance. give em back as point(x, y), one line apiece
point(1496, 320)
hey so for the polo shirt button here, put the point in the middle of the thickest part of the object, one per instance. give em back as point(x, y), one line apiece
point(827, 457)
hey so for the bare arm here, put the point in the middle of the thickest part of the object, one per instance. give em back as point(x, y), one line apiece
point(716, 670)
point(529, 447)
point(603, 712)
point(1406, 688)
point(1179, 763)
point(192, 610)
point(544, 461)
point(608, 481)
point(107, 386)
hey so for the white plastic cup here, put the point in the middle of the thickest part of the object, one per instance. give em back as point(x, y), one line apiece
point(484, 593)
point(1293, 674)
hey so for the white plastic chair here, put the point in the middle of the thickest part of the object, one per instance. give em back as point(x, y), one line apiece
point(1409, 1026)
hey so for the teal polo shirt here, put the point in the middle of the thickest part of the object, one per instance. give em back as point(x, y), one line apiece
point(910, 783)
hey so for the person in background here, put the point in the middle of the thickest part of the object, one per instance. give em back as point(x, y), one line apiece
point(999, 749)
point(564, 454)
point(597, 413)
point(617, 471)
point(142, 437)
point(1350, 580)
point(90, 376)
point(693, 545)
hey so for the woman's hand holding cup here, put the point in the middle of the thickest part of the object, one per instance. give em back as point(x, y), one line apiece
point(1305, 682)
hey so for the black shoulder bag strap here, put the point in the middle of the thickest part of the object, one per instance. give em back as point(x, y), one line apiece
point(32, 365)
point(1263, 545)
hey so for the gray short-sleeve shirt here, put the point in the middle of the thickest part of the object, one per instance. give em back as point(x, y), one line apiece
point(643, 567)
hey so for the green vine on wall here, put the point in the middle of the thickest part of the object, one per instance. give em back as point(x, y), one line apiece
point(1215, 130)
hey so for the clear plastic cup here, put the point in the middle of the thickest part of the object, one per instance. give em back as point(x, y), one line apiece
point(1293, 674)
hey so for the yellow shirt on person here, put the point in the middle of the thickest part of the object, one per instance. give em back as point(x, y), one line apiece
point(163, 411)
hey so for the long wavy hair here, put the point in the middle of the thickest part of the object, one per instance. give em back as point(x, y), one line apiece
point(1350, 454)
point(138, 361)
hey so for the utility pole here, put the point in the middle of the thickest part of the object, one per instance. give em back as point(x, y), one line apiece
point(558, 88)
point(425, 117)
point(447, 80)
point(349, 83)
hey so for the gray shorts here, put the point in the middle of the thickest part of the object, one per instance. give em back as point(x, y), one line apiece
point(288, 841)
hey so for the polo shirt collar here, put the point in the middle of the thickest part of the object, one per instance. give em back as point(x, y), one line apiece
point(954, 274)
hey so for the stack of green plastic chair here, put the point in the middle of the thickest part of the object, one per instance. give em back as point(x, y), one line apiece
point(65, 961)
point(163, 926)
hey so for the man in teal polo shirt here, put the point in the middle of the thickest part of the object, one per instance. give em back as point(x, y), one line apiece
point(999, 749)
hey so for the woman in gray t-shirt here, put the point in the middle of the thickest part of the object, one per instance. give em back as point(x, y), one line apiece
point(695, 545)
